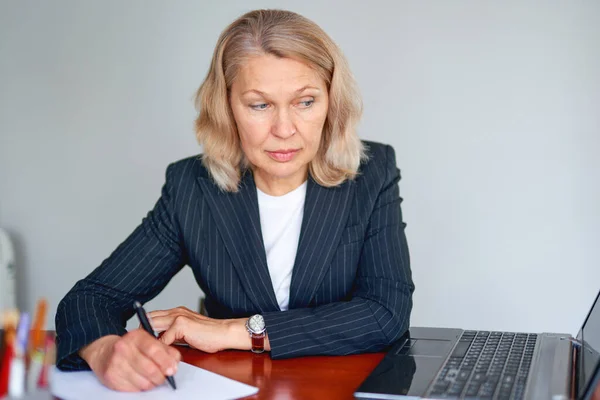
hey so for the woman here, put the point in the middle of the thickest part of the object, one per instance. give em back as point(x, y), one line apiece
point(292, 226)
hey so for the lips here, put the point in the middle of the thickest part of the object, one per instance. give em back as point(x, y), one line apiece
point(283, 155)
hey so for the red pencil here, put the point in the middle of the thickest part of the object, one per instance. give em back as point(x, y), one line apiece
point(9, 324)
point(49, 360)
point(5, 369)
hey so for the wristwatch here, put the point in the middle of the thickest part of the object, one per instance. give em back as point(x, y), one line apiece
point(256, 327)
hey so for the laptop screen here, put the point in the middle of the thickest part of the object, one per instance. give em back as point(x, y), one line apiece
point(589, 336)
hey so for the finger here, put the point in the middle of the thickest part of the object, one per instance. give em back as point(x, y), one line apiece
point(169, 337)
point(162, 323)
point(158, 353)
point(175, 312)
point(159, 313)
point(175, 332)
point(147, 368)
point(174, 353)
point(121, 376)
point(118, 381)
point(133, 379)
point(170, 311)
point(115, 378)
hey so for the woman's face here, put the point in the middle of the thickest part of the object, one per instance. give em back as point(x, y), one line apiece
point(279, 106)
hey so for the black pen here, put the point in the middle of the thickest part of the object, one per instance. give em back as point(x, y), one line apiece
point(146, 325)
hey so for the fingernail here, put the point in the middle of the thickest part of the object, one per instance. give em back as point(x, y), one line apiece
point(170, 372)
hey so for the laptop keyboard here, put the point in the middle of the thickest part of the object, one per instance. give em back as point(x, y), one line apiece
point(486, 365)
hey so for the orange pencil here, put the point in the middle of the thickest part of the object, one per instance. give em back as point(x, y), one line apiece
point(36, 347)
point(39, 323)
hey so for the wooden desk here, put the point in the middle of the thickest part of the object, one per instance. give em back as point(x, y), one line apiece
point(297, 378)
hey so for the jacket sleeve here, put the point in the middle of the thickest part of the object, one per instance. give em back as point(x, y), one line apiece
point(379, 310)
point(138, 269)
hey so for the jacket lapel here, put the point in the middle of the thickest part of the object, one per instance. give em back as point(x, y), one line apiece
point(238, 222)
point(325, 215)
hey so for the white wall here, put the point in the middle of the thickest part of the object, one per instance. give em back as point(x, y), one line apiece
point(493, 108)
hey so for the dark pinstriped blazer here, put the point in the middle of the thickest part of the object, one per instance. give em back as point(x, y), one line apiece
point(351, 288)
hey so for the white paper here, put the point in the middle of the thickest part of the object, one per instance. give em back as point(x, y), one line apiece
point(36, 395)
point(192, 383)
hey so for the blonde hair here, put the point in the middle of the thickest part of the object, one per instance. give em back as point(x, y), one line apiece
point(288, 35)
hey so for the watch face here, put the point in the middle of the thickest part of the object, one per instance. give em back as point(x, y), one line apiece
point(256, 323)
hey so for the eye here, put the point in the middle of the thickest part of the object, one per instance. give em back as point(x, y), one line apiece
point(259, 107)
point(306, 103)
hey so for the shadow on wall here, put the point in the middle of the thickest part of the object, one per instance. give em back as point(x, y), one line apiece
point(20, 270)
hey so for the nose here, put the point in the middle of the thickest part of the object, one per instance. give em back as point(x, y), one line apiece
point(283, 126)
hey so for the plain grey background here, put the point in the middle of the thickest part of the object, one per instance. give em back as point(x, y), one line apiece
point(493, 109)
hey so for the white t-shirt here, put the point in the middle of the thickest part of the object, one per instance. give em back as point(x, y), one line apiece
point(280, 222)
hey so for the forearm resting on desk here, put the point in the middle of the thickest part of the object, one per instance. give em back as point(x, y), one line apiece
point(200, 336)
point(203, 333)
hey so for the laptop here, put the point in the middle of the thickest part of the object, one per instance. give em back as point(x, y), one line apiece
point(440, 363)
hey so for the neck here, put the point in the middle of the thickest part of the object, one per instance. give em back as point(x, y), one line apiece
point(275, 186)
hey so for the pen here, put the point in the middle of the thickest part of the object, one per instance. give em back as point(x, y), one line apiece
point(146, 325)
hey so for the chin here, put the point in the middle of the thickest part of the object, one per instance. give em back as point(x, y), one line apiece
point(283, 171)
point(283, 174)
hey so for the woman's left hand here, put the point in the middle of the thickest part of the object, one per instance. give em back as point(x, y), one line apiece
point(203, 333)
